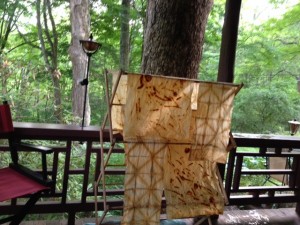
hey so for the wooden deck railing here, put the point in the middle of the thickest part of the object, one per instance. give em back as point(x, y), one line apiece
point(281, 183)
point(73, 144)
point(73, 182)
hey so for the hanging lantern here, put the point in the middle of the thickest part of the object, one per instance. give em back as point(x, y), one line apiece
point(294, 126)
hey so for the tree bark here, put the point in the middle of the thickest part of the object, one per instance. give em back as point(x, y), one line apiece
point(174, 37)
point(125, 37)
point(47, 34)
point(80, 31)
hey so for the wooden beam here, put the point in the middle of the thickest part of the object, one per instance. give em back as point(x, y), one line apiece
point(229, 41)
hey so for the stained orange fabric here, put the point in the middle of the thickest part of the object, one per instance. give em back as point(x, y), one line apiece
point(175, 131)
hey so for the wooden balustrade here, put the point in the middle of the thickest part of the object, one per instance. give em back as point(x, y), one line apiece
point(280, 185)
point(73, 143)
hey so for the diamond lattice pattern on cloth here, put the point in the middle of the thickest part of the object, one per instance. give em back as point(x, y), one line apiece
point(175, 131)
point(143, 183)
point(212, 120)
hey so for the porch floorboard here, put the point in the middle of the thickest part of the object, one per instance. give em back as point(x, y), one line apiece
point(281, 216)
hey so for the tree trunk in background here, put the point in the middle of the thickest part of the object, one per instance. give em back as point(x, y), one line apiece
point(80, 31)
point(10, 13)
point(174, 37)
point(125, 38)
point(47, 34)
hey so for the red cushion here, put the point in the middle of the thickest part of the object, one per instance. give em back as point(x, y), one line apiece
point(14, 184)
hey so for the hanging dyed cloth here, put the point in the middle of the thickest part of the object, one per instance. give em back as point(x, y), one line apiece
point(175, 131)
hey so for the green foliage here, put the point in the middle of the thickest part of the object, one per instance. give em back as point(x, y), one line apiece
point(106, 23)
point(211, 49)
point(263, 110)
point(254, 163)
point(267, 64)
point(26, 83)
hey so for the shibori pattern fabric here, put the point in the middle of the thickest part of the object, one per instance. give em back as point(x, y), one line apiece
point(143, 183)
point(212, 120)
point(175, 131)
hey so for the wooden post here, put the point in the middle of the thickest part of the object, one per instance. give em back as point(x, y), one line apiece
point(296, 163)
point(229, 41)
point(228, 48)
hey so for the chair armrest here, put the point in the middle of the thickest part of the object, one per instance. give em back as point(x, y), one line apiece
point(33, 148)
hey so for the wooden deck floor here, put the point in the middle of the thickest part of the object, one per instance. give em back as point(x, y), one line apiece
point(55, 222)
point(283, 216)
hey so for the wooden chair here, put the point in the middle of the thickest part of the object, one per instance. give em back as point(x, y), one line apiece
point(17, 180)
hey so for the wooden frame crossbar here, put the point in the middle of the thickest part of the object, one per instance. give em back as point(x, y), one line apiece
point(104, 162)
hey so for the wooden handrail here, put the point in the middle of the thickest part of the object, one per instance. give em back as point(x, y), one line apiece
point(63, 138)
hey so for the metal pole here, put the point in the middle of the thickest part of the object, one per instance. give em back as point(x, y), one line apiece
point(85, 82)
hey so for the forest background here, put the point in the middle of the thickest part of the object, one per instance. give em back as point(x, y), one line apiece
point(267, 59)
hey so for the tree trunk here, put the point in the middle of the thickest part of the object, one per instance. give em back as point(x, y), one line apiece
point(174, 37)
point(4, 75)
point(55, 75)
point(48, 34)
point(125, 38)
point(80, 31)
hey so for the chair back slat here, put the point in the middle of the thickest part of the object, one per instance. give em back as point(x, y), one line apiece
point(6, 124)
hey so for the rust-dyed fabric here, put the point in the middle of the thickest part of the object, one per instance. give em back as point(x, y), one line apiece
point(191, 187)
point(175, 131)
point(157, 110)
point(119, 101)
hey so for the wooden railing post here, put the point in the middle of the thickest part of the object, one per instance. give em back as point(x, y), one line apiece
point(296, 163)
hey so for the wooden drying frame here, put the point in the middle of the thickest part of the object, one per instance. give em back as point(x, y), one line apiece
point(108, 118)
